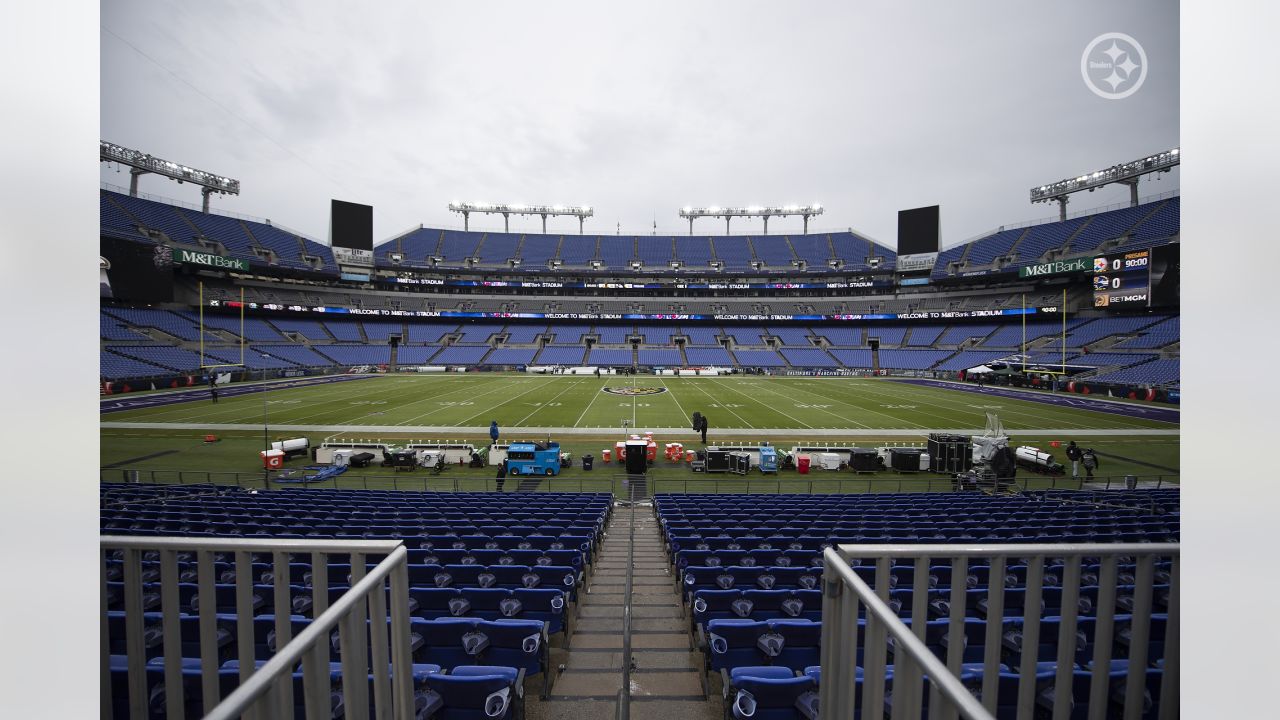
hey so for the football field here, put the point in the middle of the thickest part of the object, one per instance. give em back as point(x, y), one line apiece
point(586, 403)
point(165, 429)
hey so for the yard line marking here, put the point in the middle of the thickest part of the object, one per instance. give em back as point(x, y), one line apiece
point(501, 387)
point(731, 412)
point(962, 407)
point(680, 407)
point(599, 392)
point(739, 392)
point(775, 392)
point(540, 408)
point(239, 405)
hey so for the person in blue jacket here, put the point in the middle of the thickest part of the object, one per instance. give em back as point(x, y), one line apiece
point(493, 431)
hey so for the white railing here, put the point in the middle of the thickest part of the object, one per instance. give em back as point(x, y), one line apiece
point(360, 615)
point(915, 663)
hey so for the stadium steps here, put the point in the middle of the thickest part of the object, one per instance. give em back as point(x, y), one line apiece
point(1013, 249)
point(559, 246)
point(1144, 218)
point(1072, 238)
point(438, 251)
point(476, 252)
point(252, 238)
point(519, 251)
point(751, 246)
point(195, 230)
point(138, 223)
point(665, 672)
point(711, 242)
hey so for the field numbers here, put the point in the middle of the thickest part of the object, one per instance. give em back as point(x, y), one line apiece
point(451, 403)
point(550, 404)
point(728, 406)
point(988, 407)
point(811, 406)
point(639, 404)
point(283, 402)
point(368, 402)
point(899, 407)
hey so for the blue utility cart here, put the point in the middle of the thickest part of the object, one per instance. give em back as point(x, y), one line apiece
point(533, 458)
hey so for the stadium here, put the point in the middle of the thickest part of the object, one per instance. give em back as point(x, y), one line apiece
point(563, 470)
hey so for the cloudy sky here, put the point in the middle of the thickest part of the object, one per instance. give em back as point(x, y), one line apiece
point(636, 110)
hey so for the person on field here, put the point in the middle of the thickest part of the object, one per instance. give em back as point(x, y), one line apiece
point(1090, 461)
point(703, 428)
point(213, 393)
point(1073, 454)
point(493, 431)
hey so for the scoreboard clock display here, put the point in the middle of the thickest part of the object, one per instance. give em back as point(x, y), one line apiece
point(1122, 280)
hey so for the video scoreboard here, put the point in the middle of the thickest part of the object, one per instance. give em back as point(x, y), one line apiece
point(1122, 280)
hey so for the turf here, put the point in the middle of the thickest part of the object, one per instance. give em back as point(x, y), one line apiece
point(742, 402)
point(846, 410)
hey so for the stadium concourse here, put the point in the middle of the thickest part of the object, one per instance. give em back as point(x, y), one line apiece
point(640, 585)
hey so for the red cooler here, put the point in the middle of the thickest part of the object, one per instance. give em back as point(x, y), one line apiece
point(272, 459)
point(802, 464)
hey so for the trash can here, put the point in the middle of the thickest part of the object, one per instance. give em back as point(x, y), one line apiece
point(587, 461)
point(802, 464)
point(1130, 482)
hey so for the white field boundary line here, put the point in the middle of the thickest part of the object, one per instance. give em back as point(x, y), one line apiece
point(787, 432)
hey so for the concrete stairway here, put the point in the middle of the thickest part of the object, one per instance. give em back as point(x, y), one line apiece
point(665, 680)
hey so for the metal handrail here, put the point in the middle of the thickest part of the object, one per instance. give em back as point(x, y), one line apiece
point(840, 619)
point(267, 692)
point(252, 690)
point(836, 698)
point(604, 481)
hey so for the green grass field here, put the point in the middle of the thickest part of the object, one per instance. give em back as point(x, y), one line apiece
point(586, 414)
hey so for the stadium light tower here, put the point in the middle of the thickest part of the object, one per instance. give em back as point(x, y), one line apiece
point(766, 212)
point(582, 212)
point(1124, 173)
point(141, 163)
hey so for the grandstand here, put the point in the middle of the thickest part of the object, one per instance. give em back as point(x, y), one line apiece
point(506, 597)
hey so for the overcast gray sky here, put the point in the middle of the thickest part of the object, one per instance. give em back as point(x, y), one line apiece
point(636, 110)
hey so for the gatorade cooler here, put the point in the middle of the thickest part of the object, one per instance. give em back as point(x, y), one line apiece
point(802, 464)
point(651, 451)
point(620, 451)
point(690, 456)
point(272, 459)
point(606, 455)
